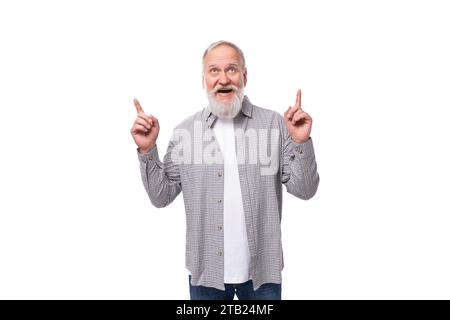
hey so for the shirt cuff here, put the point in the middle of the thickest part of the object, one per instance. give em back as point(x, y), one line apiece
point(303, 150)
point(151, 155)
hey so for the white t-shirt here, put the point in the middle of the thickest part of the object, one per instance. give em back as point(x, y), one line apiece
point(236, 251)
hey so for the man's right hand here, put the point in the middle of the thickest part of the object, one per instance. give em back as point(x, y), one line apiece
point(145, 129)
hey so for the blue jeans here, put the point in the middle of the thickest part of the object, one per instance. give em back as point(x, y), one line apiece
point(244, 291)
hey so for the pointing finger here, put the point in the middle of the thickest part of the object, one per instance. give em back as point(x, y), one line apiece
point(138, 106)
point(298, 101)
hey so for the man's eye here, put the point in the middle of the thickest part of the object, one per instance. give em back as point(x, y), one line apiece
point(231, 70)
point(214, 70)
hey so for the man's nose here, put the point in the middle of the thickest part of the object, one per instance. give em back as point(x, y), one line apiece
point(223, 79)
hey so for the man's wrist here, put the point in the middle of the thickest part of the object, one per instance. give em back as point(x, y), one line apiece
point(299, 141)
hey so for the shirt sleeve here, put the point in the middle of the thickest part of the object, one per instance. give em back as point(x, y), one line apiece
point(161, 179)
point(299, 167)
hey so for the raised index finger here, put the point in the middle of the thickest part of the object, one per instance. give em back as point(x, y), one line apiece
point(298, 101)
point(138, 106)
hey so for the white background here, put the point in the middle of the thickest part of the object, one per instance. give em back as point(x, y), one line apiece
point(75, 221)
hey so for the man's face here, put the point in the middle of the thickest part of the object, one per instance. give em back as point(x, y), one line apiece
point(223, 70)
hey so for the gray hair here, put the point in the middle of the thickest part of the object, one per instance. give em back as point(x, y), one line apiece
point(225, 43)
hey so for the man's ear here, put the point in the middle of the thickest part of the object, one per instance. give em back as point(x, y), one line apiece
point(245, 77)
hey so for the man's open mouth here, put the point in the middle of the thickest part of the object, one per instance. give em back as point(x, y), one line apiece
point(224, 91)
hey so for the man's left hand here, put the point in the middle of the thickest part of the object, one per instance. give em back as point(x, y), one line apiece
point(297, 121)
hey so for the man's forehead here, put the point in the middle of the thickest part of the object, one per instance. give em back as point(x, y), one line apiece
point(222, 54)
point(222, 62)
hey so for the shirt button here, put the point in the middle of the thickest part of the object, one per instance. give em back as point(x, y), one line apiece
point(219, 201)
point(151, 158)
point(220, 253)
point(219, 227)
point(219, 174)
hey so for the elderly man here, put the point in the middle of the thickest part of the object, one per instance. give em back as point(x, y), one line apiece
point(232, 186)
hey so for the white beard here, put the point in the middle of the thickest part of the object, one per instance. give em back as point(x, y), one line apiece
point(226, 110)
